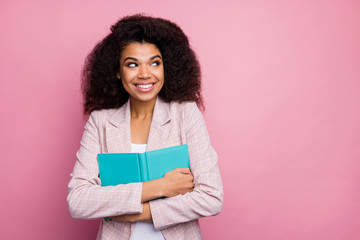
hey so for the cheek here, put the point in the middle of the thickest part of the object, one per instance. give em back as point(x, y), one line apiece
point(160, 74)
point(125, 84)
point(126, 76)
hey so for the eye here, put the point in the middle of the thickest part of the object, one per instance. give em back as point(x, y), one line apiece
point(156, 63)
point(131, 64)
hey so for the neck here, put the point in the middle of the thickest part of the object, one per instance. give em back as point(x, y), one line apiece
point(140, 109)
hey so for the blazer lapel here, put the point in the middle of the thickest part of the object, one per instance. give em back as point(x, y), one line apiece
point(118, 135)
point(160, 126)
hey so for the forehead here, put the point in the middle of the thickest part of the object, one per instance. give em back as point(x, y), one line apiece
point(140, 50)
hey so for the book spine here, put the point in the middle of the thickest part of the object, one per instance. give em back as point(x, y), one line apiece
point(147, 167)
point(143, 167)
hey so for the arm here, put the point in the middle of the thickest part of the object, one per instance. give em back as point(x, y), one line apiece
point(175, 182)
point(207, 197)
point(86, 198)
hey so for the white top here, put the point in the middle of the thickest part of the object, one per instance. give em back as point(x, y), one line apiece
point(143, 230)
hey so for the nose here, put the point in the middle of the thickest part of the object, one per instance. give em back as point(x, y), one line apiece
point(144, 72)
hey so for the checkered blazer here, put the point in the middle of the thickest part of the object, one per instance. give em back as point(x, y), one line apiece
point(108, 131)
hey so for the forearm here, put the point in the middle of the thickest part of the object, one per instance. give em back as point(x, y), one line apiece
point(152, 189)
point(144, 216)
point(90, 201)
point(205, 200)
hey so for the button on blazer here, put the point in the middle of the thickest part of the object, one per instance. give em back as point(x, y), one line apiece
point(108, 131)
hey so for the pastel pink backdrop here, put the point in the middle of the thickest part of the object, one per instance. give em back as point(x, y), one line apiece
point(282, 91)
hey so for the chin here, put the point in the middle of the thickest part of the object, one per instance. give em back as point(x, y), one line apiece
point(145, 99)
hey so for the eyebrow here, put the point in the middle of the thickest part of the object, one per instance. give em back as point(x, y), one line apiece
point(135, 59)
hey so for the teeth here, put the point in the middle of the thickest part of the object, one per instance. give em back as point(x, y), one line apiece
point(144, 86)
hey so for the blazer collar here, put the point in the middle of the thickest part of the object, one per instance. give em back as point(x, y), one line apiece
point(119, 133)
point(161, 114)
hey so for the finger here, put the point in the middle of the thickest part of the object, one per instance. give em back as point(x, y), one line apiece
point(183, 170)
point(189, 177)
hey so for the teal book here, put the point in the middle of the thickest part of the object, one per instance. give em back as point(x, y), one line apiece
point(123, 168)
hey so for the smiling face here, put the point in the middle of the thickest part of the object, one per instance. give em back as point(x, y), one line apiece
point(141, 71)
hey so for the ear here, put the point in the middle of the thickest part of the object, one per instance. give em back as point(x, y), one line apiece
point(118, 75)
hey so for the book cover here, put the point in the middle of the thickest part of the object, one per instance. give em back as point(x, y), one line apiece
point(123, 168)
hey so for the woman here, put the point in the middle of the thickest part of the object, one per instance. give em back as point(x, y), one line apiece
point(141, 87)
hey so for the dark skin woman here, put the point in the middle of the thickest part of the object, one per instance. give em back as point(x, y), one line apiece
point(142, 86)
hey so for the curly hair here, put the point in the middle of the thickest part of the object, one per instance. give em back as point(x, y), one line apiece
point(101, 88)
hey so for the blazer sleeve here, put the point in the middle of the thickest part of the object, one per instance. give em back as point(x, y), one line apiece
point(207, 197)
point(86, 198)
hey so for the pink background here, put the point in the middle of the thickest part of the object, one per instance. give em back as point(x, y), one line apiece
point(282, 91)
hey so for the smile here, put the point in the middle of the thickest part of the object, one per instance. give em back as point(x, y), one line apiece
point(145, 87)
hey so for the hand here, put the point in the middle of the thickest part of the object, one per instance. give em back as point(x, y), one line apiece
point(178, 181)
point(145, 216)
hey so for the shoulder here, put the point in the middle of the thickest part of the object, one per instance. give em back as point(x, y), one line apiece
point(183, 106)
point(99, 117)
point(102, 114)
point(185, 110)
